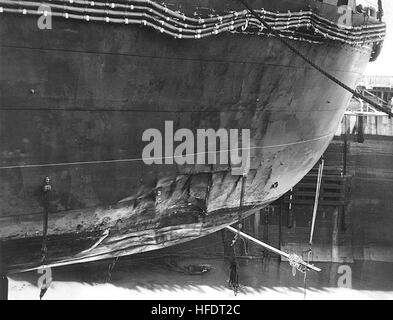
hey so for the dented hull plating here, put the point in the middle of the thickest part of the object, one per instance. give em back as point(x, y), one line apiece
point(78, 96)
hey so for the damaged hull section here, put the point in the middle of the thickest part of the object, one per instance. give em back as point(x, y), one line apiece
point(76, 100)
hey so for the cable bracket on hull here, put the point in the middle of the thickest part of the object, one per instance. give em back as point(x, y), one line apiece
point(279, 36)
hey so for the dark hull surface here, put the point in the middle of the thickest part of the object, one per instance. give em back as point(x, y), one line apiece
point(78, 96)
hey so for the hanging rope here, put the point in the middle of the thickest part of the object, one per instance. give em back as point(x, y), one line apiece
point(46, 191)
point(110, 269)
point(46, 279)
point(309, 254)
point(233, 268)
point(279, 36)
point(234, 276)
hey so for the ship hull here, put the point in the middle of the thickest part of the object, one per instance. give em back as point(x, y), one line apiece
point(75, 101)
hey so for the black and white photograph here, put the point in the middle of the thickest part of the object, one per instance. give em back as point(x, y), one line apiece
point(196, 150)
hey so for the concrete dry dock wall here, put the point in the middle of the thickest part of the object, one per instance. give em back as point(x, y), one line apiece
point(355, 227)
point(372, 198)
point(361, 229)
